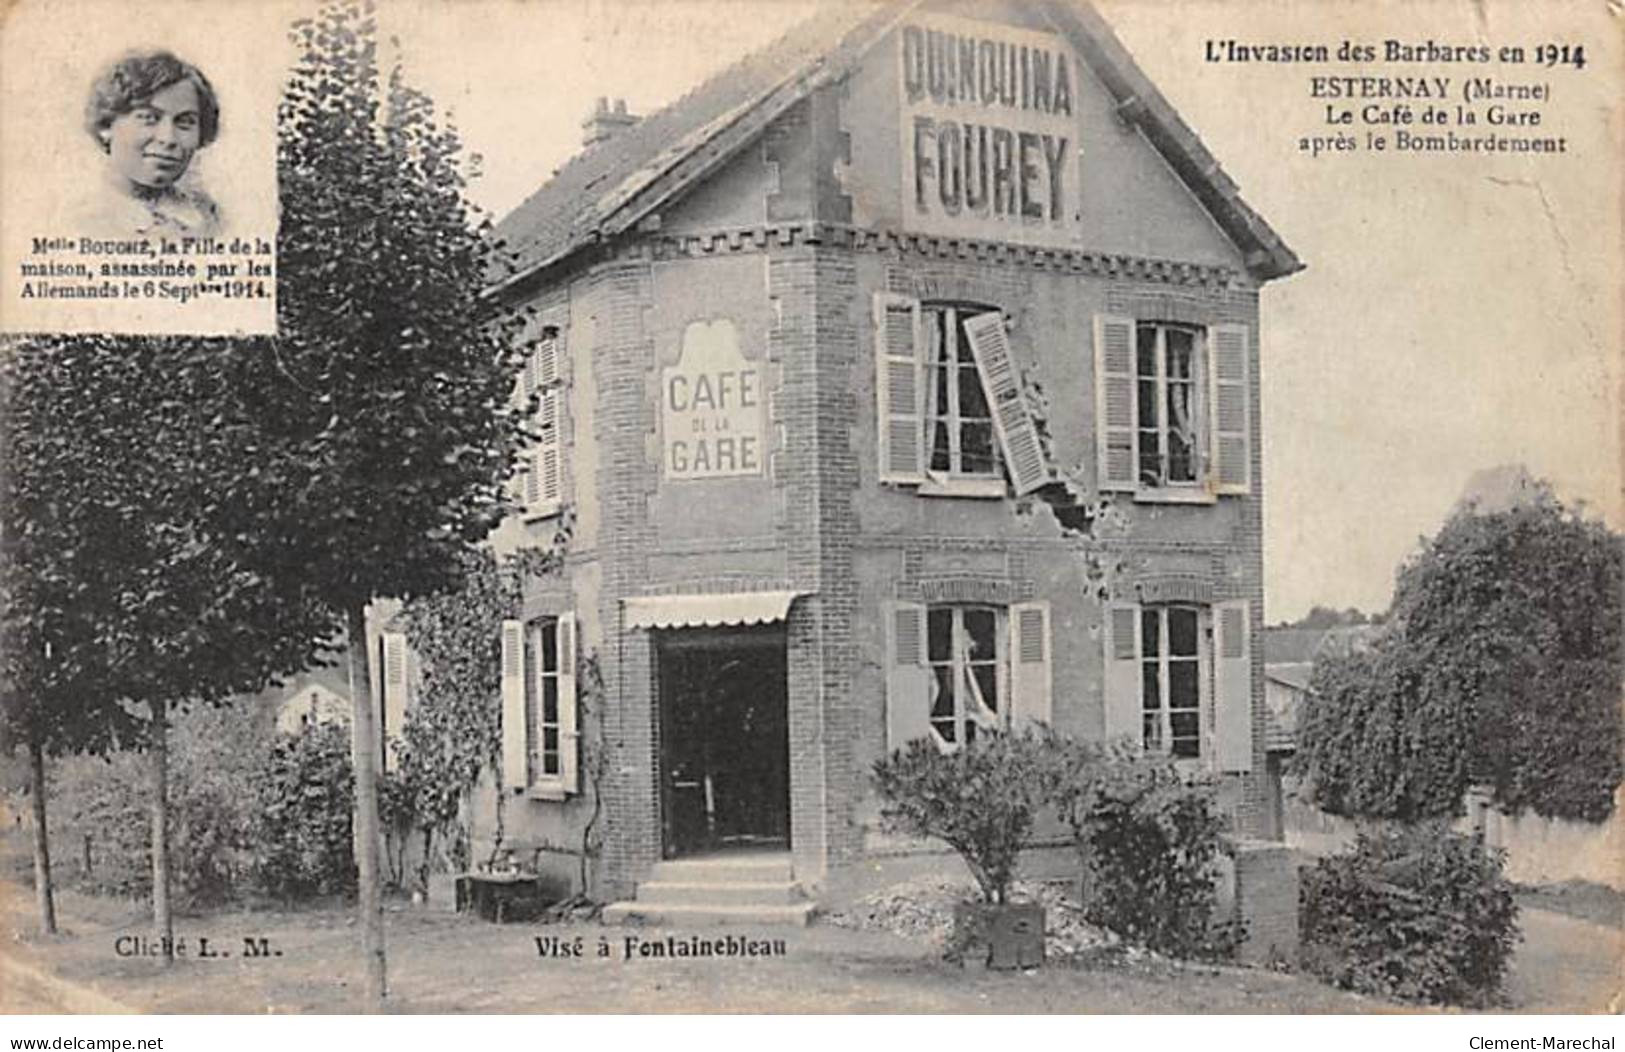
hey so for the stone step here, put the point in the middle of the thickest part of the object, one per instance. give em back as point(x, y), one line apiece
point(720, 869)
point(720, 893)
point(679, 914)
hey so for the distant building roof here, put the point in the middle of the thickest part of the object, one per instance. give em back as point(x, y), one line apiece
point(1298, 645)
point(610, 187)
point(1281, 712)
point(1290, 673)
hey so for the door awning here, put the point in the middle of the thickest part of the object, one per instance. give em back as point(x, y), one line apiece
point(707, 610)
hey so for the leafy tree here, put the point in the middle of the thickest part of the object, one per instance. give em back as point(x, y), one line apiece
point(126, 588)
point(383, 401)
point(1501, 666)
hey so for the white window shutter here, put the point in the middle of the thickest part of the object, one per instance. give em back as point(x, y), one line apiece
point(515, 758)
point(1018, 433)
point(1122, 680)
point(544, 360)
point(1233, 680)
point(1230, 457)
point(899, 388)
point(569, 731)
point(1116, 440)
point(1030, 689)
point(908, 680)
point(394, 695)
point(544, 469)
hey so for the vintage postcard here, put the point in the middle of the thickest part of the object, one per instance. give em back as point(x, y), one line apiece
point(1003, 499)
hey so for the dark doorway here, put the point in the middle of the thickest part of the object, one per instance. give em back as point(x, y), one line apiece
point(724, 740)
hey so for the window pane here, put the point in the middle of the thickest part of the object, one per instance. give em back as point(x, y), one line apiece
point(550, 701)
point(1183, 689)
point(987, 677)
point(550, 739)
point(1151, 730)
point(946, 729)
point(976, 449)
point(1179, 344)
point(970, 731)
point(550, 647)
point(941, 455)
point(1150, 686)
point(980, 627)
point(972, 399)
point(965, 355)
point(1150, 632)
point(1182, 631)
point(939, 633)
point(1146, 359)
point(1186, 741)
point(942, 706)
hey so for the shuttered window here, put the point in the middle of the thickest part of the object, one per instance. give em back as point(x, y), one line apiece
point(951, 413)
point(954, 669)
point(1172, 409)
point(1178, 681)
point(539, 719)
point(540, 389)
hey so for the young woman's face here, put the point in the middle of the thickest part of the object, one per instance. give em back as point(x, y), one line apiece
point(153, 143)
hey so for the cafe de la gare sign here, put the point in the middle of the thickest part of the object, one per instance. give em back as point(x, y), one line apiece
point(989, 138)
point(711, 406)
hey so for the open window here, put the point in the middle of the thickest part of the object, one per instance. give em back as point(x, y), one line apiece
point(540, 739)
point(951, 416)
point(956, 669)
point(1172, 410)
point(1179, 681)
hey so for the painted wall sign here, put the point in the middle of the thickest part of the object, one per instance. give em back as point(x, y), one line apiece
point(989, 134)
point(711, 406)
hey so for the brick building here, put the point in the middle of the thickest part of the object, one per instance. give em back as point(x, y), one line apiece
point(900, 381)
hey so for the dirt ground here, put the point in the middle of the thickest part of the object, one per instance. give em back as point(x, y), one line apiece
point(446, 963)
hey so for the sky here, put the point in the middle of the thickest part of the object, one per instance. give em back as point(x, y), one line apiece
point(1456, 313)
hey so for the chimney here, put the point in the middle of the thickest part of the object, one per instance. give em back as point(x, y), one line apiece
point(605, 122)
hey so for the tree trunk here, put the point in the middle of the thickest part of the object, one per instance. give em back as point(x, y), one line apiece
point(364, 748)
point(43, 892)
point(163, 918)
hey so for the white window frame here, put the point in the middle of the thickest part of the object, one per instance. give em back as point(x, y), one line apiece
point(1162, 740)
point(1196, 488)
point(969, 708)
point(942, 322)
point(526, 679)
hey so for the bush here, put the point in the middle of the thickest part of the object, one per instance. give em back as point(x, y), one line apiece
point(303, 832)
point(980, 799)
point(1149, 844)
point(213, 755)
point(1417, 913)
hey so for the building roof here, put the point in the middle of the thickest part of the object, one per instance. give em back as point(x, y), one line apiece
point(1294, 674)
point(610, 187)
point(1301, 645)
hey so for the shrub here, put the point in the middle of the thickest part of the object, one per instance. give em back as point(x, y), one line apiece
point(1149, 845)
point(980, 799)
point(1417, 913)
point(303, 830)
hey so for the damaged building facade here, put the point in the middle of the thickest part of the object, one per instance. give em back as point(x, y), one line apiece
point(901, 381)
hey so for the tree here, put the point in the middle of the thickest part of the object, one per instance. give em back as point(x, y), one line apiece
point(1500, 666)
point(383, 401)
point(125, 584)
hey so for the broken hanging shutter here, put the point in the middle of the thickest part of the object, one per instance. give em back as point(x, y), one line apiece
point(1122, 680)
point(569, 732)
point(899, 388)
point(1233, 680)
point(908, 680)
point(515, 761)
point(1018, 433)
point(1115, 437)
point(1231, 456)
point(394, 695)
point(1030, 663)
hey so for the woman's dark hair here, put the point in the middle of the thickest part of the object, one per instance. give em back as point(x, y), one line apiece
point(138, 76)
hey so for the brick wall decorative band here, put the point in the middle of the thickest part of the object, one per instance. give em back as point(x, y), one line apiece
point(965, 589)
point(1175, 589)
